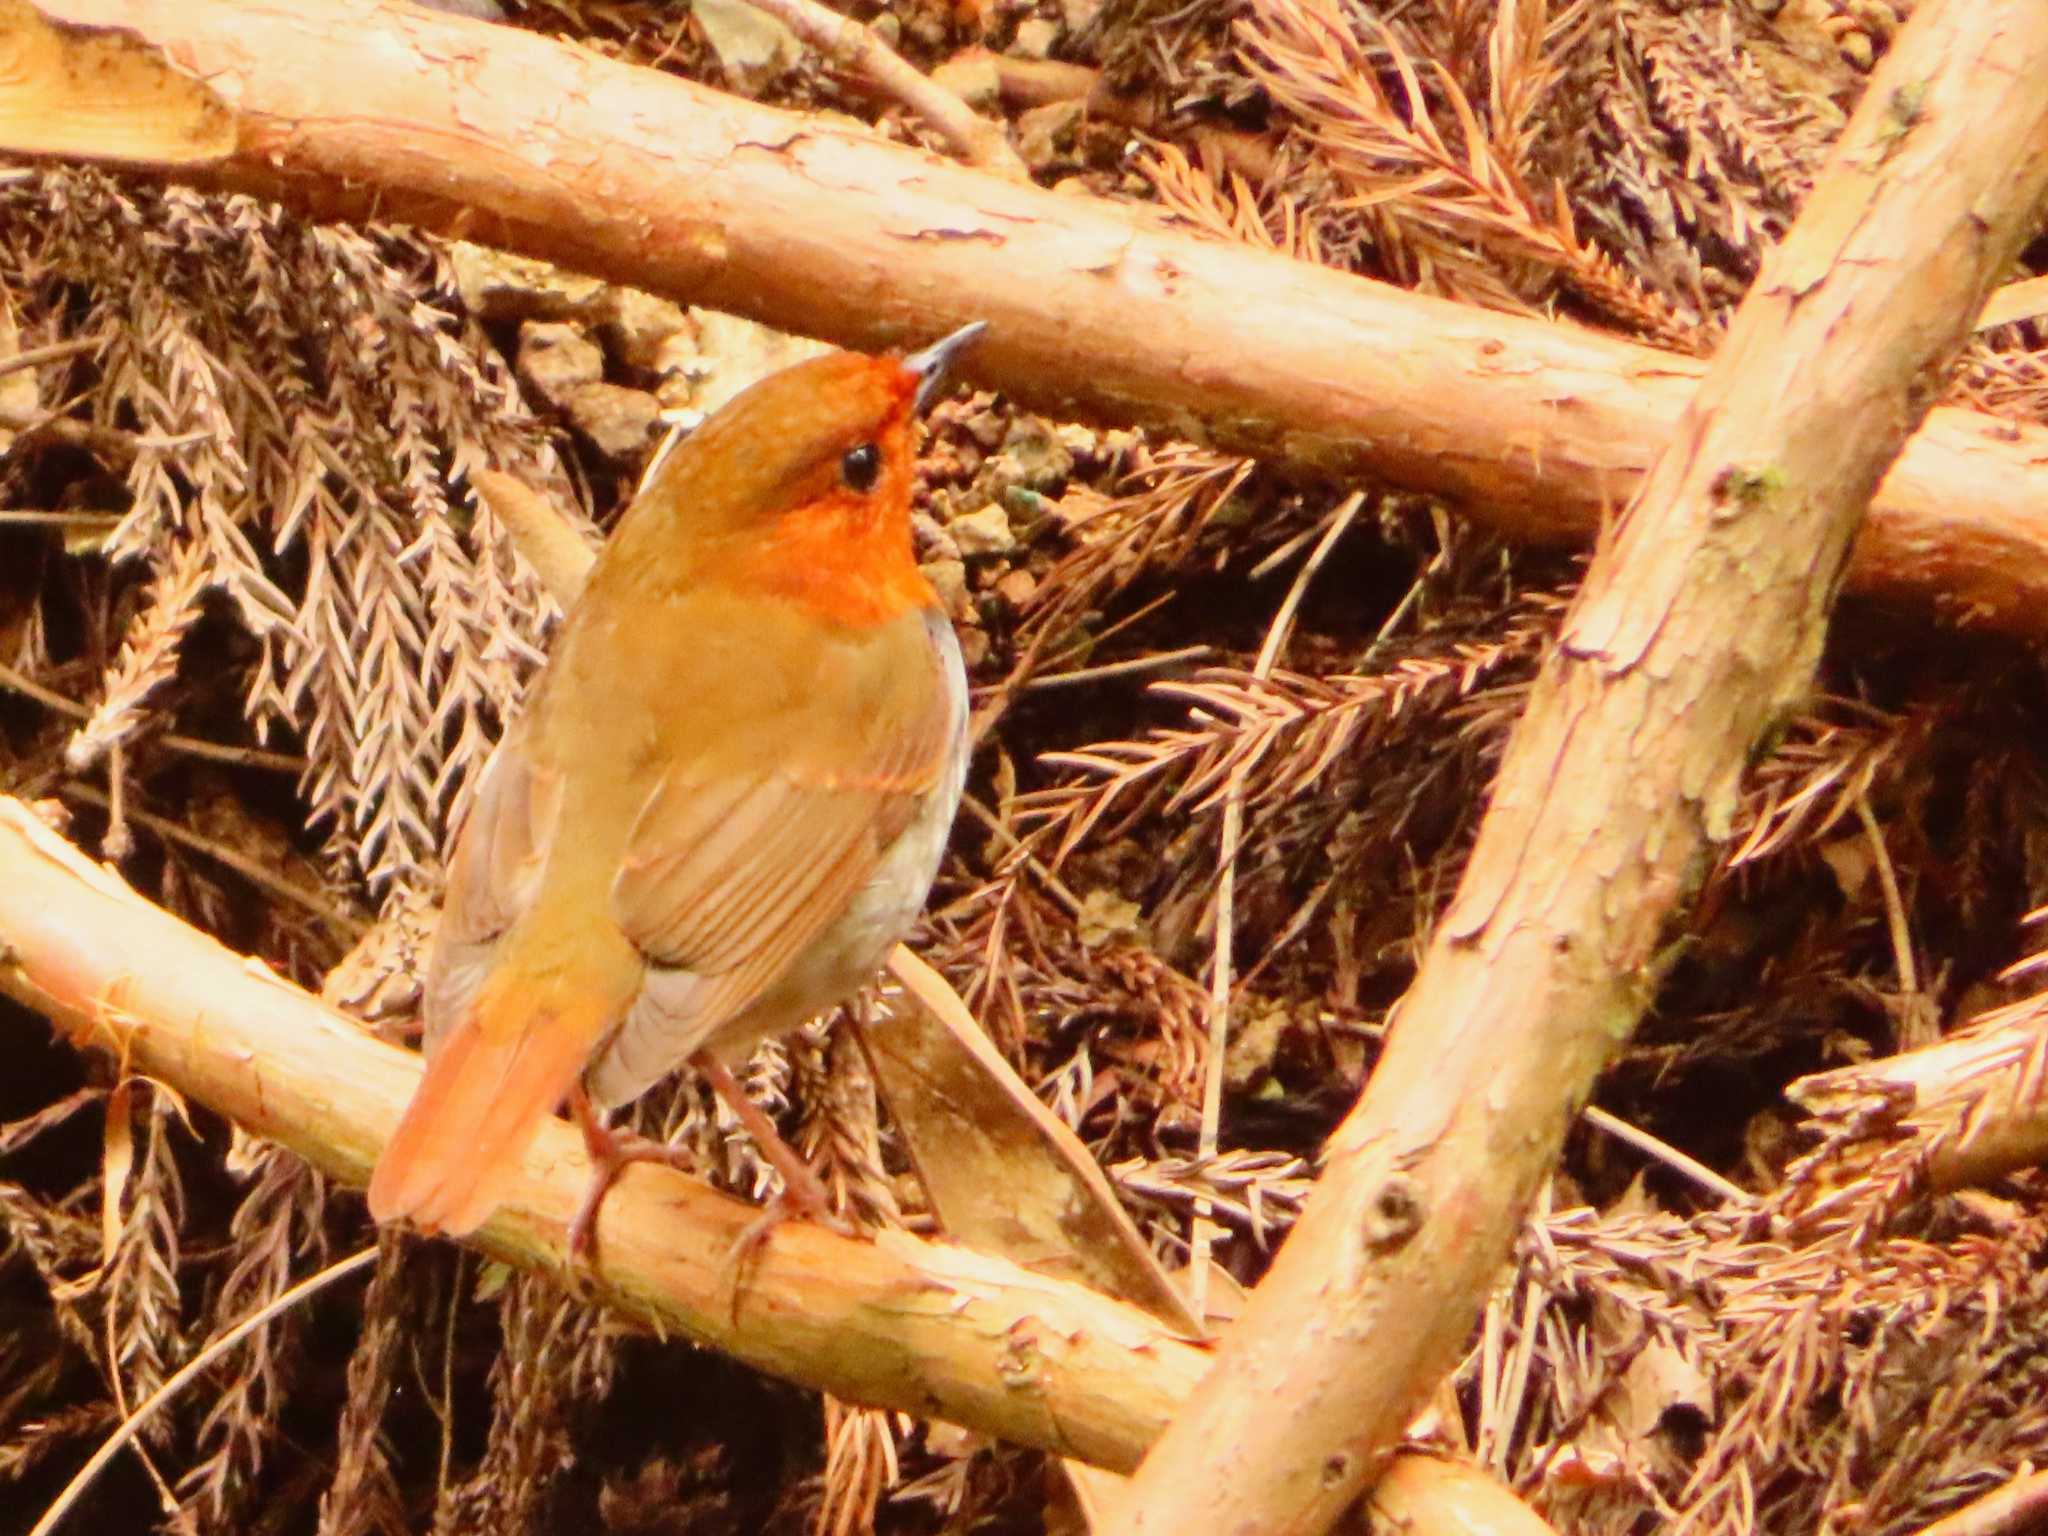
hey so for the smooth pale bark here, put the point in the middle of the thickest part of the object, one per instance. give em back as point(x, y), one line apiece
point(927, 1328)
point(1976, 1105)
point(923, 1327)
point(1097, 310)
point(1697, 629)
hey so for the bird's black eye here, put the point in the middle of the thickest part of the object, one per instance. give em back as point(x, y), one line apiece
point(860, 467)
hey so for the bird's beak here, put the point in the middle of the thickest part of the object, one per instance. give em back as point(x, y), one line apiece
point(932, 364)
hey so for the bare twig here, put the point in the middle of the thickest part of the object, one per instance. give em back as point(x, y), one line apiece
point(1202, 1236)
point(1699, 625)
point(117, 447)
point(1137, 666)
point(1002, 834)
point(1975, 1105)
point(191, 746)
point(852, 45)
point(1670, 1156)
point(133, 1424)
point(2018, 1506)
point(1024, 83)
point(1894, 906)
point(347, 923)
point(2015, 301)
point(56, 351)
point(896, 1322)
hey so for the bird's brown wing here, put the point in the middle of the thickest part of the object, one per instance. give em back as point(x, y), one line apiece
point(493, 1069)
point(727, 878)
point(500, 852)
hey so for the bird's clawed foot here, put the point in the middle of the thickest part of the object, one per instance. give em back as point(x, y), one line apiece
point(610, 1152)
point(802, 1194)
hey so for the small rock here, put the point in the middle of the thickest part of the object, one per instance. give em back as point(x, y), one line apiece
point(986, 532)
point(1254, 1042)
point(1027, 508)
point(732, 353)
point(1017, 588)
point(971, 75)
point(556, 360)
point(1035, 37)
point(475, 10)
point(619, 422)
point(982, 421)
point(926, 26)
point(1046, 135)
point(1105, 915)
point(931, 540)
point(677, 392)
point(1878, 18)
point(752, 46)
point(1040, 459)
point(1080, 506)
point(649, 333)
point(1079, 15)
point(498, 286)
point(974, 645)
point(1121, 444)
point(949, 580)
point(1079, 441)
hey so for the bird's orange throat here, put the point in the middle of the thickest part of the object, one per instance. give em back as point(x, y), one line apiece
point(841, 560)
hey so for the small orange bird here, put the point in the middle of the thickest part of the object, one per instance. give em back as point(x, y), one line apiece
point(724, 802)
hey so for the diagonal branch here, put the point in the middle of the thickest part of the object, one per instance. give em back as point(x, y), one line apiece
point(1697, 630)
point(853, 44)
point(896, 1322)
point(360, 109)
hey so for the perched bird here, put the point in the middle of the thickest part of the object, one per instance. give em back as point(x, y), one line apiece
point(724, 802)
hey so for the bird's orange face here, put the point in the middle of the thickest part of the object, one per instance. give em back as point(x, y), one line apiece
point(806, 492)
point(842, 546)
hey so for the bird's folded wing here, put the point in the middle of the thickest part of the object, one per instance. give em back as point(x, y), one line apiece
point(500, 852)
point(729, 879)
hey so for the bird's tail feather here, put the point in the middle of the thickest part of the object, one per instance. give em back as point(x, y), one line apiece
point(491, 1082)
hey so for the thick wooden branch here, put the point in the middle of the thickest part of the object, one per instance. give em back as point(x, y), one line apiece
point(1699, 626)
point(373, 108)
point(922, 1327)
point(1975, 1104)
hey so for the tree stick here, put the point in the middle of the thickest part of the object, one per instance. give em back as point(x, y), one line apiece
point(853, 45)
point(1022, 84)
point(1698, 627)
point(1975, 1104)
point(359, 109)
point(2018, 1506)
point(897, 1323)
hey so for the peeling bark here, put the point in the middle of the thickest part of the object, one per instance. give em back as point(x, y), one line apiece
point(896, 1323)
point(359, 109)
point(1698, 628)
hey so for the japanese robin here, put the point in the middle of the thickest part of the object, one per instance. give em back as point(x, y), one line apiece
point(725, 800)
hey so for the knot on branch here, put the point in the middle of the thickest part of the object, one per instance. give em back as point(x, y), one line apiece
point(1393, 1215)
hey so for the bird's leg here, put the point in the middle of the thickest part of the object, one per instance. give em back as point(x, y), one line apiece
point(609, 1152)
point(802, 1194)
